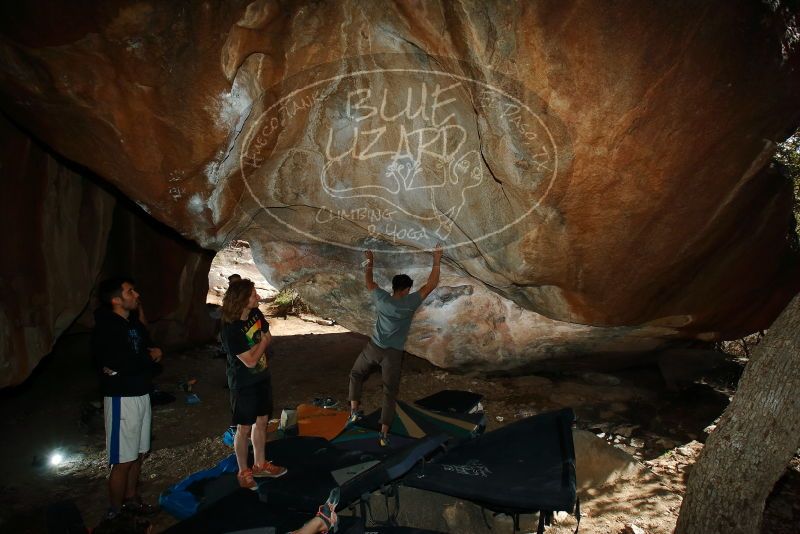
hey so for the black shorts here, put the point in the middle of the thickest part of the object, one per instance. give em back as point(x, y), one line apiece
point(252, 401)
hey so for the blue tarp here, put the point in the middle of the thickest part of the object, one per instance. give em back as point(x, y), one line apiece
point(181, 503)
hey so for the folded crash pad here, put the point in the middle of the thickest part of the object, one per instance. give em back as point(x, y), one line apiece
point(416, 422)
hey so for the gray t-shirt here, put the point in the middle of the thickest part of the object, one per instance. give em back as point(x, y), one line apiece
point(394, 318)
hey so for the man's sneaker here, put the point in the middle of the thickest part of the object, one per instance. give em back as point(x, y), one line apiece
point(355, 417)
point(246, 480)
point(268, 469)
point(383, 439)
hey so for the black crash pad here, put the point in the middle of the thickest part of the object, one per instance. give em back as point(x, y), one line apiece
point(392, 468)
point(526, 466)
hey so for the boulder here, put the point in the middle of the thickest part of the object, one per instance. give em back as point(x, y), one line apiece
point(599, 464)
point(598, 176)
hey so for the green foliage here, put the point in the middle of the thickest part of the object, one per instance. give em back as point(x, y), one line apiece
point(288, 301)
point(788, 154)
point(286, 297)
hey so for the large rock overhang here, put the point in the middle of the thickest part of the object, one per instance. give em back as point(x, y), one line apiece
point(599, 177)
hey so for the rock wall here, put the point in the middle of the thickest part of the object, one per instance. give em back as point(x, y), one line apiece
point(171, 274)
point(596, 174)
point(55, 226)
point(62, 233)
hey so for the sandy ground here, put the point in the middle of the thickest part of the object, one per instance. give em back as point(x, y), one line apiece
point(630, 409)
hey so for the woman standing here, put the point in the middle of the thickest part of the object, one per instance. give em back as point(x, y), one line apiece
point(245, 336)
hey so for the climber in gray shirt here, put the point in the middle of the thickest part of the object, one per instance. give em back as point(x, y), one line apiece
point(385, 347)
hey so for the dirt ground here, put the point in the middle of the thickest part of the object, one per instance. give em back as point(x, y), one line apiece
point(631, 410)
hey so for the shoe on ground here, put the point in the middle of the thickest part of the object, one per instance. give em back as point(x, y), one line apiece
point(383, 439)
point(268, 470)
point(137, 507)
point(246, 480)
point(355, 417)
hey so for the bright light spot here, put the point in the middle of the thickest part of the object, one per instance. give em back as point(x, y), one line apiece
point(56, 458)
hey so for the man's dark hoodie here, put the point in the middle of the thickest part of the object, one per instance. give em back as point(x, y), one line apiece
point(121, 345)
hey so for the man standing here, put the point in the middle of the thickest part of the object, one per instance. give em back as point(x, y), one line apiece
point(124, 355)
point(385, 348)
point(245, 336)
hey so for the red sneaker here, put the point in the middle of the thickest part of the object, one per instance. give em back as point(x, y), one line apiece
point(246, 480)
point(268, 469)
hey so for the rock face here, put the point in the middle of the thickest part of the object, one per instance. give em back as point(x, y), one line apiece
point(55, 226)
point(598, 176)
point(61, 234)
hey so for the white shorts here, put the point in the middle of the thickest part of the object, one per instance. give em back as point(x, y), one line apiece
point(127, 427)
